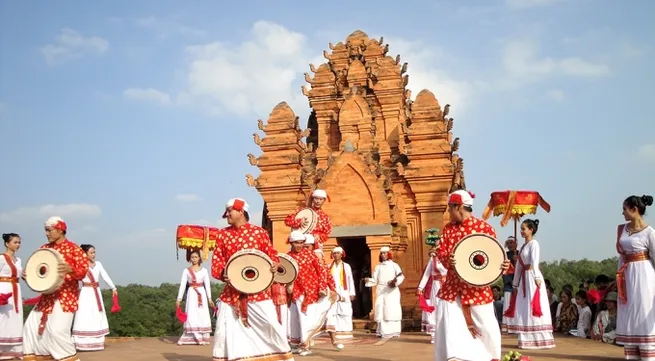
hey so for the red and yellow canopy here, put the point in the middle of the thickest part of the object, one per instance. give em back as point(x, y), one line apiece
point(514, 205)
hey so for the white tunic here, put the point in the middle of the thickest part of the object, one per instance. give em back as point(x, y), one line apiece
point(90, 325)
point(437, 273)
point(11, 322)
point(388, 311)
point(635, 319)
point(533, 332)
point(198, 324)
point(343, 309)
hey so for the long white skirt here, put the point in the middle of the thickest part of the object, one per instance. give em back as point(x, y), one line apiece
point(453, 341)
point(506, 321)
point(635, 320)
point(388, 312)
point(56, 340)
point(90, 326)
point(342, 319)
point(198, 325)
point(262, 341)
point(11, 326)
point(533, 332)
point(303, 327)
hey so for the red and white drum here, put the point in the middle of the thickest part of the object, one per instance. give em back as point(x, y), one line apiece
point(478, 260)
point(287, 270)
point(249, 271)
point(42, 271)
point(310, 219)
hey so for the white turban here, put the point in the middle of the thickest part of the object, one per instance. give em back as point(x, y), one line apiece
point(461, 197)
point(337, 250)
point(309, 239)
point(385, 249)
point(297, 236)
point(319, 193)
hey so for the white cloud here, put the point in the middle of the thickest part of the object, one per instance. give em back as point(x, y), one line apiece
point(556, 95)
point(147, 95)
point(187, 197)
point(424, 75)
point(250, 78)
point(71, 44)
point(522, 64)
point(647, 151)
point(531, 3)
point(25, 215)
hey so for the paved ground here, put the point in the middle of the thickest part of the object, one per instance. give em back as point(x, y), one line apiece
point(414, 347)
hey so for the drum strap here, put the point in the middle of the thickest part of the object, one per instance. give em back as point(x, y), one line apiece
point(14, 275)
point(95, 289)
point(242, 310)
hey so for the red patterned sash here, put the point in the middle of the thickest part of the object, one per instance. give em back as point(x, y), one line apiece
point(194, 284)
point(13, 279)
point(96, 287)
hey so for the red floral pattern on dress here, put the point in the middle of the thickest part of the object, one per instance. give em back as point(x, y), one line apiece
point(69, 292)
point(231, 240)
point(323, 225)
point(453, 286)
point(312, 277)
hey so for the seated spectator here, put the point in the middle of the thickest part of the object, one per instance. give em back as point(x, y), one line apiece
point(554, 303)
point(604, 328)
point(584, 318)
point(566, 316)
point(498, 303)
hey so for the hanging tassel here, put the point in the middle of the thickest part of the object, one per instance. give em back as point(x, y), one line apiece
point(32, 301)
point(536, 303)
point(424, 305)
point(509, 313)
point(181, 316)
point(4, 298)
point(115, 307)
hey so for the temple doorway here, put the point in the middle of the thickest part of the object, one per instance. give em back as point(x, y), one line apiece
point(358, 256)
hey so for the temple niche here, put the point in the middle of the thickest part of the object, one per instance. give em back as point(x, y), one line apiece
point(387, 163)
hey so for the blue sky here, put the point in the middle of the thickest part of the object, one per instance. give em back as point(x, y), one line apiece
point(131, 118)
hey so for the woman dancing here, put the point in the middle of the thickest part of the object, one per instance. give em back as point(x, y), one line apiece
point(532, 319)
point(11, 305)
point(90, 326)
point(635, 319)
point(197, 326)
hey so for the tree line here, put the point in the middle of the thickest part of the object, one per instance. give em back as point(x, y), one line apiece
point(149, 311)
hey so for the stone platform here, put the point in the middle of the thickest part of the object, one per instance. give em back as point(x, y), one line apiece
point(412, 346)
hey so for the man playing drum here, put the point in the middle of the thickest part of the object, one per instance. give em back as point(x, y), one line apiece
point(466, 327)
point(309, 308)
point(47, 330)
point(246, 326)
point(323, 226)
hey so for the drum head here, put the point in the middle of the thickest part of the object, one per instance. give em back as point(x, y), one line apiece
point(41, 271)
point(287, 271)
point(479, 259)
point(311, 217)
point(250, 272)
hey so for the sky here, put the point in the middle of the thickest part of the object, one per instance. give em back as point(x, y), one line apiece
point(132, 118)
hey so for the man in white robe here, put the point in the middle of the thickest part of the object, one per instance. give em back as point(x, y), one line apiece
point(345, 288)
point(387, 276)
point(428, 287)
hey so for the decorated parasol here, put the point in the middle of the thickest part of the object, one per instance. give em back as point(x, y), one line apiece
point(514, 205)
point(196, 238)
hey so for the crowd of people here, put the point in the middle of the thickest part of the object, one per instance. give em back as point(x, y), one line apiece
point(464, 321)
